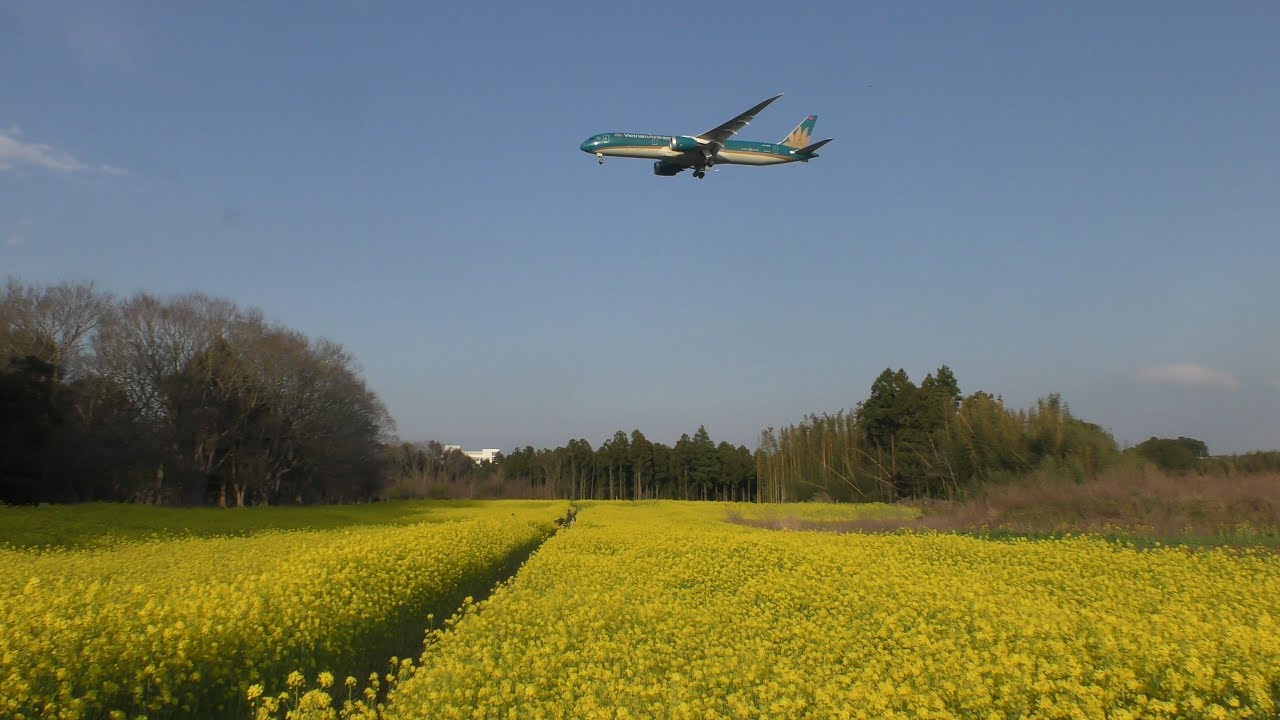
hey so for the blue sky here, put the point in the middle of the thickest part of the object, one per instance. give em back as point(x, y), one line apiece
point(1081, 198)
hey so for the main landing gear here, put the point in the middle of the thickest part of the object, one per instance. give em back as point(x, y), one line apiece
point(699, 174)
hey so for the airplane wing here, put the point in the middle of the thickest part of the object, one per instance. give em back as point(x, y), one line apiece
point(727, 130)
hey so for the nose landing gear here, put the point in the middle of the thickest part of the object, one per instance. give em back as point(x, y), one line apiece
point(600, 158)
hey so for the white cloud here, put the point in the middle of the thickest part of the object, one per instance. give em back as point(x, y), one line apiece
point(15, 153)
point(1189, 375)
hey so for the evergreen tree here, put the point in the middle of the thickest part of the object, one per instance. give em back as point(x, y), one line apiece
point(704, 466)
point(664, 477)
point(1171, 455)
point(641, 466)
point(888, 409)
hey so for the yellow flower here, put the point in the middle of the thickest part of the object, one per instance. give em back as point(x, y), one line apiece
point(187, 626)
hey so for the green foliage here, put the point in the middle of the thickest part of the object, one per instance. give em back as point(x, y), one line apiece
point(925, 441)
point(1245, 464)
point(1173, 455)
point(99, 524)
point(889, 409)
point(631, 467)
point(29, 416)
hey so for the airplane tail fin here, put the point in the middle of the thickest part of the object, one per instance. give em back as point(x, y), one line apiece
point(800, 136)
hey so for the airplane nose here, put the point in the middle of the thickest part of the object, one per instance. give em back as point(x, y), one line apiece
point(588, 146)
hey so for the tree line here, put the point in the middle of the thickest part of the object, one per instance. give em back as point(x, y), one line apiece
point(924, 441)
point(624, 467)
point(192, 400)
point(183, 400)
point(931, 441)
point(1183, 455)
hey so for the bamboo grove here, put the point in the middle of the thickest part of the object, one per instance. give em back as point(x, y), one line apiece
point(906, 440)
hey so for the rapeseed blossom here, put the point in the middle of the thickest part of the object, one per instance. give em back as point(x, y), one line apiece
point(641, 610)
point(661, 610)
point(191, 627)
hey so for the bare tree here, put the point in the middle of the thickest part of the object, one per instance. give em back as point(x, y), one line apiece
point(187, 398)
point(151, 340)
point(158, 353)
point(318, 427)
point(54, 324)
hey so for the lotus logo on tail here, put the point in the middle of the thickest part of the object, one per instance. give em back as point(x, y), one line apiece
point(799, 137)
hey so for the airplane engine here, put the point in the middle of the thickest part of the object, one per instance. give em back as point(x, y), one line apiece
point(666, 169)
point(683, 143)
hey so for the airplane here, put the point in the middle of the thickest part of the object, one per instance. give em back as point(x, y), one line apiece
point(676, 153)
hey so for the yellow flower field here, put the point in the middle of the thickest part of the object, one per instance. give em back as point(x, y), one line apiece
point(182, 628)
point(661, 610)
point(821, 512)
point(639, 610)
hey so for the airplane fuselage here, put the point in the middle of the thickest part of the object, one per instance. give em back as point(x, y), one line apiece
point(664, 147)
point(673, 154)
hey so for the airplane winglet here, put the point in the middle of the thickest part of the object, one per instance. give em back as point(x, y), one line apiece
point(726, 130)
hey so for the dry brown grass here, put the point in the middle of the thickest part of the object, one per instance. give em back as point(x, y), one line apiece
point(1129, 501)
point(1138, 501)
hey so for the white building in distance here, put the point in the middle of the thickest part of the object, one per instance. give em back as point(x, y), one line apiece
point(478, 456)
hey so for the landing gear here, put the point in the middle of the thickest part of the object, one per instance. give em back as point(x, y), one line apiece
point(700, 171)
point(600, 158)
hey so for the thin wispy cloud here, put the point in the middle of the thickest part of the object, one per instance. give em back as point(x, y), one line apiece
point(1188, 375)
point(15, 152)
point(99, 37)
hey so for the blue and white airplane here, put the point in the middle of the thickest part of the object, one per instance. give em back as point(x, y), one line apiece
point(675, 153)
